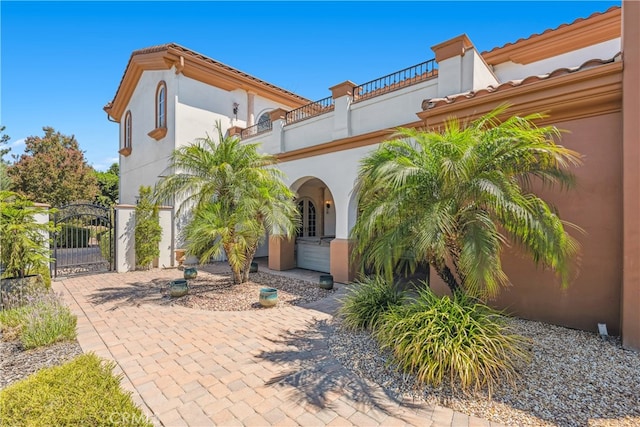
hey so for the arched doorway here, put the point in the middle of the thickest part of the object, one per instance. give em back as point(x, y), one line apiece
point(317, 224)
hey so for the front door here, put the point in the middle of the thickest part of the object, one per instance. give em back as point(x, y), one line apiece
point(307, 211)
point(311, 252)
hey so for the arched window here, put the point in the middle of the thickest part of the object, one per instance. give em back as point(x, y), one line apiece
point(161, 105)
point(307, 211)
point(126, 137)
point(264, 122)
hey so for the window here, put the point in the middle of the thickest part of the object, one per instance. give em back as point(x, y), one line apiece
point(161, 105)
point(126, 137)
point(307, 211)
point(160, 130)
point(264, 123)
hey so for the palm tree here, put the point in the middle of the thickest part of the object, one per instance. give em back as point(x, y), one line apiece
point(455, 198)
point(235, 196)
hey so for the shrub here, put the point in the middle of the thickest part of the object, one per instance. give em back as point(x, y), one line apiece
point(72, 236)
point(371, 298)
point(457, 339)
point(107, 248)
point(22, 238)
point(47, 322)
point(43, 321)
point(81, 392)
point(148, 232)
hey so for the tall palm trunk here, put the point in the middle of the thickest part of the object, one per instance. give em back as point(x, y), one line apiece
point(447, 276)
point(251, 251)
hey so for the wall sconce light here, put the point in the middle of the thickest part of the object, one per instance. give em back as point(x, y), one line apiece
point(328, 205)
point(235, 109)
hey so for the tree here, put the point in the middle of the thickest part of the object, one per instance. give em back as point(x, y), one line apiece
point(108, 183)
point(455, 198)
point(53, 170)
point(236, 196)
point(148, 232)
point(5, 182)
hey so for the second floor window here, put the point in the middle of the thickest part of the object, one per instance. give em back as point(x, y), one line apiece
point(161, 105)
point(127, 130)
point(264, 123)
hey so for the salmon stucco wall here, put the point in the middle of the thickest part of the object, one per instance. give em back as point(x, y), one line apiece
point(595, 205)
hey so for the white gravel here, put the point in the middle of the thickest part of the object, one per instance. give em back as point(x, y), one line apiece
point(17, 363)
point(575, 378)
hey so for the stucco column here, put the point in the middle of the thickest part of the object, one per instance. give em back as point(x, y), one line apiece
point(342, 95)
point(281, 253)
point(250, 113)
point(449, 58)
point(43, 218)
point(342, 269)
point(125, 238)
point(631, 175)
point(278, 120)
point(234, 130)
point(166, 258)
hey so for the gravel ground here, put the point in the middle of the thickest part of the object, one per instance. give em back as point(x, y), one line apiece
point(17, 363)
point(214, 290)
point(575, 378)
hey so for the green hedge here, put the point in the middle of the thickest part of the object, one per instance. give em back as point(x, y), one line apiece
point(74, 237)
point(82, 392)
point(105, 239)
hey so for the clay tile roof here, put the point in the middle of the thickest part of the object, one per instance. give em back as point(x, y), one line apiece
point(193, 54)
point(431, 103)
point(549, 30)
point(226, 67)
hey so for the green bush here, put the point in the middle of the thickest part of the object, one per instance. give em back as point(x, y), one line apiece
point(147, 231)
point(43, 321)
point(82, 392)
point(72, 236)
point(456, 339)
point(371, 298)
point(107, 248)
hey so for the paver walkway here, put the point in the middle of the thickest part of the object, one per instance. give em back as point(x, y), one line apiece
point(254, 368)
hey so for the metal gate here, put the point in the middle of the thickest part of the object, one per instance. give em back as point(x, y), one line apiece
point(83, 241)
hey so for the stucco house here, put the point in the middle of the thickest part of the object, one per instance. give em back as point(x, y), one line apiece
point(583, 74)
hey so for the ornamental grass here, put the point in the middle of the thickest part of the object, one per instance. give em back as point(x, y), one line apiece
point(368, 301)
point(458, 340)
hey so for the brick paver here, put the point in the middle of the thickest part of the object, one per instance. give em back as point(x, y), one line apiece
point(196, 368)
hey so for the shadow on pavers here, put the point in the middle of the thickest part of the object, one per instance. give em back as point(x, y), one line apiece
point(133, 294)
point(317, 374)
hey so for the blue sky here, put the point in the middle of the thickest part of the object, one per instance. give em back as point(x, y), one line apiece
point(61, 62)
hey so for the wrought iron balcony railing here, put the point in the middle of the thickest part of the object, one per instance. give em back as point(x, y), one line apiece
point(257, 129)
point(310, 110)
point(394, 81)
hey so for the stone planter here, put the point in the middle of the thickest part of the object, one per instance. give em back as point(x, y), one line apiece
point(268, 297)
point(326, 281)
point(190, 273)
point(14, 291)
point(178, 288)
